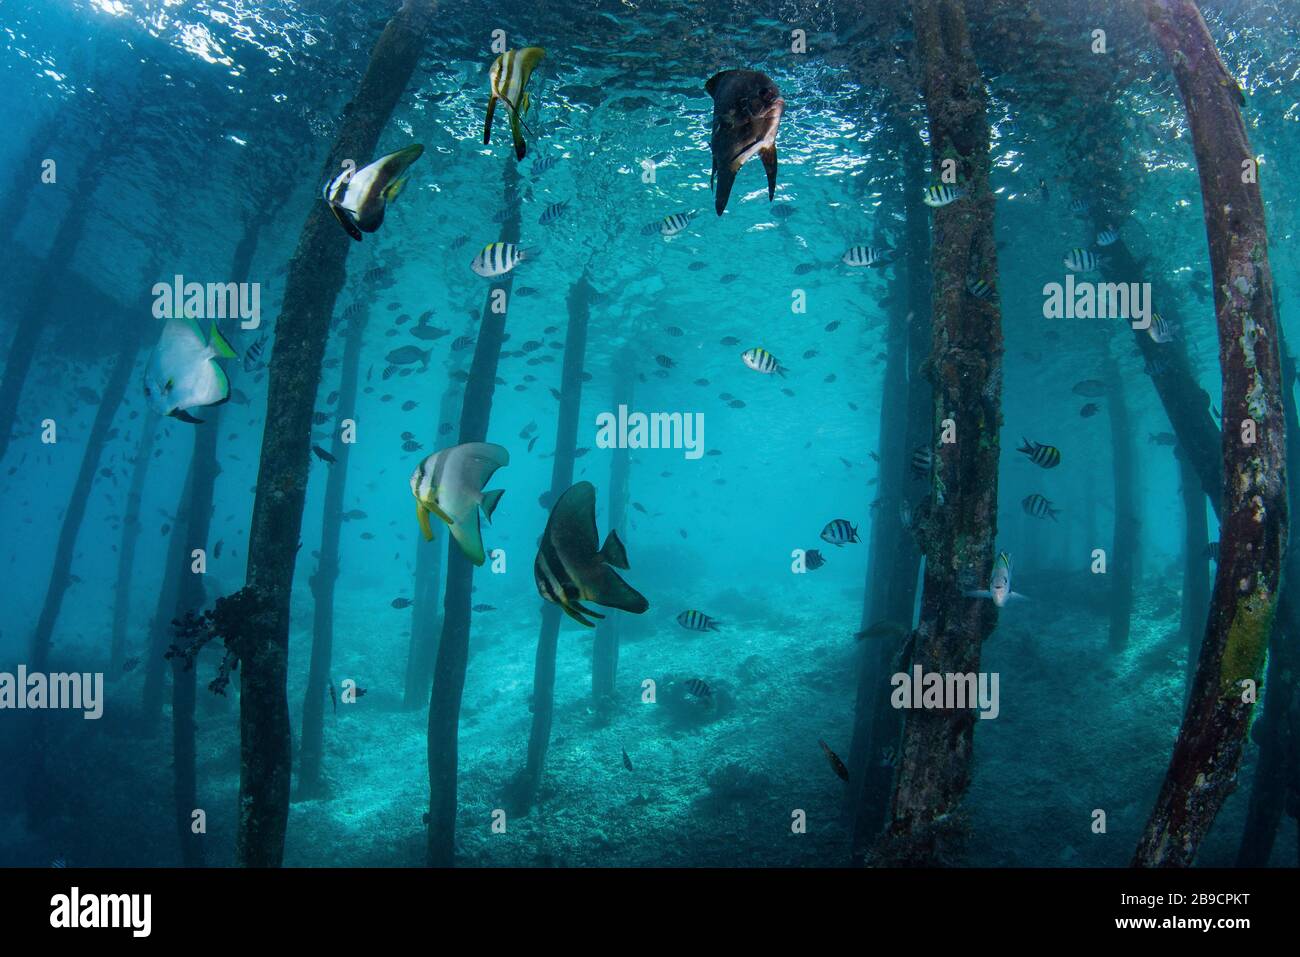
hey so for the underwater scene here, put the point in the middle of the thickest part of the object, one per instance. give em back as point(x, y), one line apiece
point(648, 433)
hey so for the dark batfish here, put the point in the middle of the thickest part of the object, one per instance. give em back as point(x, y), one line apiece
point(569, 569)
point(836, 764)
point(747, 109)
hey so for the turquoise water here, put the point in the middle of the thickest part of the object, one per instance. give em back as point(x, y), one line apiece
point(173, 126)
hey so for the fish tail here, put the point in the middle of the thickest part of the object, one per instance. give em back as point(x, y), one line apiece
point(768, 155)
point(1026, 447)
point(726, 176)
point(517, 134)
point(608, 588)
point(487, 124)
point(491, 500)
point(613, 552)
point(220, 346)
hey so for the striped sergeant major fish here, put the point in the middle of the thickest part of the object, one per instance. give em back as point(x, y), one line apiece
point(497, 259)
point(699, 689)
point(552, 213)
point(1108, 236)
point(693, 620)
point(942, 195)
point(1039, 507)
point(358, 198)
point(839, 532)
point(509, 75)
point(760, 360)
point(1083, 260)
point(1000, 586)
point(669, 226)
point(253, 354)
point(449, 484)
point(1046, 456)
point(747, 111)
point(922, 461)
point(570, 569)
point(866, 256)
point(542, 164)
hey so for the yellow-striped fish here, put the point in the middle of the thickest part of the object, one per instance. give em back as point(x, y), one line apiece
point(509, 76)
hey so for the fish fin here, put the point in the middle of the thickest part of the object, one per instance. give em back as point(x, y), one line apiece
point(185, 417)
point(422, 516)
point(346, 222)
point(442, 516)
point(613, 552)
point(487, 124)
point(979, 593)
point(490, 501)
point(517, 134)
point(469, 536)
point(220, 345)
point(726, 177)
point(223, 383)
point(576, 612)
point(1016, 596)
point(606, 587)
point(394, 189)
point(768, 155)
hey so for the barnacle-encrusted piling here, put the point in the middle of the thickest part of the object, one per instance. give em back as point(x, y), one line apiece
point(453, 644)
point(526, 784)
point(310, 781)
point(316, 275)
point(1124, 540)
point(1254, 516)
point(79, 498)
point(49, 283)
point(1275, 789)
point(958, 526)
point(906, 420)
point(427, 584)
point(604, 650)
point(130, 536)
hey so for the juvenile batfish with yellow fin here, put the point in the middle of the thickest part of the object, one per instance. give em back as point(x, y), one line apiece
point(570, 569)
point(359, 197)
point(183, 372)
point(508, 78)
point(449, 484)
